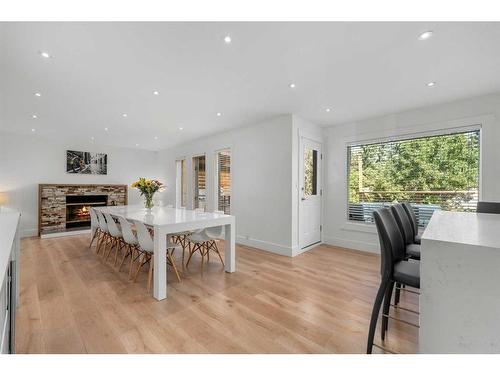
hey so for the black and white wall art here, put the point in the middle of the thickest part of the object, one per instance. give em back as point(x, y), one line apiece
point(86, 162)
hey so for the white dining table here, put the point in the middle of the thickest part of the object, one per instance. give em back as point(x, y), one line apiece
point(167, 221)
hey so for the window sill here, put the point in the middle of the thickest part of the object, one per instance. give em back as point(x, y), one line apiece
point(359, 227)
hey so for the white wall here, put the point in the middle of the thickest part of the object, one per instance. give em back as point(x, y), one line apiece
point(261, 167)
point(484, 110)
point(26, 161)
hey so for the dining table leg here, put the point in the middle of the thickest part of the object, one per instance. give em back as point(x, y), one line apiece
point(160, 264)
point(230, 247)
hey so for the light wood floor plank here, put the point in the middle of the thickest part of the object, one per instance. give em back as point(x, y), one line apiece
point(72, 301)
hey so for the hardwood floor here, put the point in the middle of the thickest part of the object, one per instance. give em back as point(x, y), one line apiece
point(71, 301)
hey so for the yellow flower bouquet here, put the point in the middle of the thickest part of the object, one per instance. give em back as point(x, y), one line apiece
point(148, 188)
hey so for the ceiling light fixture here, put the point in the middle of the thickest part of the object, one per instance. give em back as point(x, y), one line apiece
point(181, 128)
point(156, 138)
point(156, 92)
point(219, 114)
point(35, 116)
point(425, 35)
point(33, 130)
point(124, 115)
point(328, 110)
point(45, 54)
point(38, 94)
point(431, 84)
point(292, 85)
point(227, 39)
point(105, 129)
point(137, 145)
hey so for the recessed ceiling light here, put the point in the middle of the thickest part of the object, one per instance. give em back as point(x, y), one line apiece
point(181, 128)
point(137, 144)
point(105, 129)
point(124, 115)
point(34, 116)
point(431, 84)
point(156, 92)
point(156, 137)
point(38, 94)
point(219, 114)
point(45, 54)
point(92, 138)
point(292, 85)
point(425, 35)
point(327, 110)
point(227, 39)
point(33, 130)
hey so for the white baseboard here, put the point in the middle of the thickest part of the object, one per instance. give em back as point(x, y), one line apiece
point(29, 232)
point(64, 234)
point(352, 244)
point(265, 245)
point(297, 250)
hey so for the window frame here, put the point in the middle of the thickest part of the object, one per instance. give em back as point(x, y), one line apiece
point(178, 182)
point(405, 134)
point(193, 182)
point(216, 177)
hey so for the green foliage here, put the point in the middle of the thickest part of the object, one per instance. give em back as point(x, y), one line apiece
point(396, 170)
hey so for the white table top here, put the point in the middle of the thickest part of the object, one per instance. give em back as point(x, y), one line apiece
point(464, 228)
point(8, 226)
point(162, 216)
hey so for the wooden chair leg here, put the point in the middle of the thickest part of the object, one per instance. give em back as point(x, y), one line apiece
point(133, 257)
point(216, 249)
point(150, 275)
point(113, 242)
point(126, 253)
point(141, 263)
point(99, 242)
point(191, 252)
point(169, 255)
point(93, 238)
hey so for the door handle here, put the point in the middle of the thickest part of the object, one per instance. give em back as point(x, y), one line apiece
point(303, 199)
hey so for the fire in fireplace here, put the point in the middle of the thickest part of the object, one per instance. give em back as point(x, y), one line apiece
point(78, 209)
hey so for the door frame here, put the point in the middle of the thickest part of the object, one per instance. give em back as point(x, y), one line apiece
point(310, 137)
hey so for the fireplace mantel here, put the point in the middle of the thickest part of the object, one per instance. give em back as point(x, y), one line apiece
point(52, 205)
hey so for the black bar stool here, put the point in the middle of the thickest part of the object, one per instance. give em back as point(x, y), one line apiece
point(394, 269)
point(413, 218)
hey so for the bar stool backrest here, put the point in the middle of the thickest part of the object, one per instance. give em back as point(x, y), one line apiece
point(144, 237)
point(488, 207)
point(392, 247)
point(127, 232)
point(413, 218)
point(102, 222)
point(404, 223)
point(112, 227)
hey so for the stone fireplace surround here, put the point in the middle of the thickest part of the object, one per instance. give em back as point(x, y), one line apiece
point(52, 204)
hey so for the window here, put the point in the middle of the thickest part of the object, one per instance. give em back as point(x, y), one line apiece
point(433, 172)
point(181, 183)
point(199, 175)
point(310, 171)
point(223, 181)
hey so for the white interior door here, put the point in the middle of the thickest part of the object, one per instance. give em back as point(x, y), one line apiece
point(310, 195)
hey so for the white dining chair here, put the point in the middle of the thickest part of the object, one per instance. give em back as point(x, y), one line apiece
point(94, 226)
point(146, 247)
point(204, 241)
point(116, 237)
point(131, 243)
point(105, 237)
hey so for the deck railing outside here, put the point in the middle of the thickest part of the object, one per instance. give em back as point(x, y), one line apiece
point(423, 202)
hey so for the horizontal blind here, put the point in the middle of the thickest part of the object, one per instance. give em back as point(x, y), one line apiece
point(224, 181)
point(434, 172)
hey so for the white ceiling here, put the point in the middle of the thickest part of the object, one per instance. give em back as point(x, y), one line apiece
point(98, 71)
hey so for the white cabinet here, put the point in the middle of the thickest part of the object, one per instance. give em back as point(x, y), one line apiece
point(9, 272)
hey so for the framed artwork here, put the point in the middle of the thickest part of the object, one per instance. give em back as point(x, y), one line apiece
point(82, 162)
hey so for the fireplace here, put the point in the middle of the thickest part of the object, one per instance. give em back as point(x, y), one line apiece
point(78, 209)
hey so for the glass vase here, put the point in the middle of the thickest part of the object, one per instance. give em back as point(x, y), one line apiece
point(148, 202)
